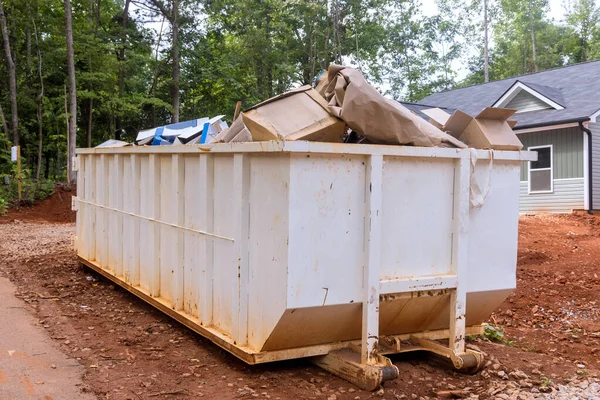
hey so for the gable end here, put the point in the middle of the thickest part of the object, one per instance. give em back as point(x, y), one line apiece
point(525, 101)
point(523, 98)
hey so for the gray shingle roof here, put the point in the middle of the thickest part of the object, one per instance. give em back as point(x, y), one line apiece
point(417, 109)
point(575, 87)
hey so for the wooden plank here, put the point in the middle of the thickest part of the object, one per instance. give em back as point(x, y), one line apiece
point(371, 270)
point(244, 353)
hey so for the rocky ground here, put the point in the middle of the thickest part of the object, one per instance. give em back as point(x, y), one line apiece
point(543, 343)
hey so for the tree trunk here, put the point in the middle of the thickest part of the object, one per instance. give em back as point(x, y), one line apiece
point(89, 122)
point(47, 170)
point(12, 78)
point(40, 139)
point(155, 75)
point(486, 68)
point(175, 51)
point(535, 65)
point(72, 138)
point(122, 62)
point(39, 106)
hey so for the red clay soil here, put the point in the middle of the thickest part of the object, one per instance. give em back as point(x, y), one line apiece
point(556, 307)
point(55, 209)
point(132, 351)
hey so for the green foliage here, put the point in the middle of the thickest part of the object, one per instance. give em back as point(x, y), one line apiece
point(496, 334)
point(31, 190)
point(577, 39)
point(3, 206)
point(546, 382)
point(249, 50)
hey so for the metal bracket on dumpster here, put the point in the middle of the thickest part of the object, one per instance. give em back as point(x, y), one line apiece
point(468, 362)
point(346, 363)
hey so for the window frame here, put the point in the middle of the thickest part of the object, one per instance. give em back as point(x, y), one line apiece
point(551, 168)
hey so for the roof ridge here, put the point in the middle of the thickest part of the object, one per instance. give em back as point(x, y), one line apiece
point(517, 76)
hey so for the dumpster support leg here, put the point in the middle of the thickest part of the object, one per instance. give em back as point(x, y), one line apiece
point(365, 367)
point(371, 285)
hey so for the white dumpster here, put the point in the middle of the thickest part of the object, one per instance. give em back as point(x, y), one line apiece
point(281, 250)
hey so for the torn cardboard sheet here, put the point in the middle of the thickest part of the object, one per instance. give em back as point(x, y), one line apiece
point(379, 119)
point(490, 129)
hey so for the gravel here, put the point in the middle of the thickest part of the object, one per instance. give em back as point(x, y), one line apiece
point(33, 239)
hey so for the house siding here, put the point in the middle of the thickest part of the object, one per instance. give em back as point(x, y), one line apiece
point(568, 172)
point(595, 129)
point(567, 196)
point(525, 101)
point(567, 147)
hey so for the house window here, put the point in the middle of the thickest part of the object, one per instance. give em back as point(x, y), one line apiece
point(540, 171)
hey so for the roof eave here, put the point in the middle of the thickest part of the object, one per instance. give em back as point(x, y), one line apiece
point(551, 123)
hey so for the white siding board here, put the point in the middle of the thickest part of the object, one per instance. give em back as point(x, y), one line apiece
point(525, 101)
point(568, 196)
point(595, 129)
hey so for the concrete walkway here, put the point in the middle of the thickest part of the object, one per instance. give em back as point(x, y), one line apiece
point(31, 366)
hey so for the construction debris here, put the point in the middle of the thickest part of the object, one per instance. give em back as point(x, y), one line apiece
point(490, 129)
point(195, 131)
point(379, 119)
point(343, 107)
point(300, 114)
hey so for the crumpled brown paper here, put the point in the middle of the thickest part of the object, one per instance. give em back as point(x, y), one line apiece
point(379, 119)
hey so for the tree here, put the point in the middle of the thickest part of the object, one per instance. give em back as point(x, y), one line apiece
point(40, 109)
point(486, 55)
point(72, 125)
point(171, 13)
point(583, 42)
point(12, 77)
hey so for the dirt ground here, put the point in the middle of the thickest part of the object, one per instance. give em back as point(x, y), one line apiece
point(551, 324)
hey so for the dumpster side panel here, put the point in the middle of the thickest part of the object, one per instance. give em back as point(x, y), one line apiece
point(167, 233)
point(101, 216)
point(494, 229)
point(194, 245)
point(268, 244)
point(225, 272)
point(150, 184)
point(114, 185)
point(417, 217)
point(327, 226)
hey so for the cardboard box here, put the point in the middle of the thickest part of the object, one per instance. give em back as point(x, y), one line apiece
point(301, 114)
point(490, 129)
